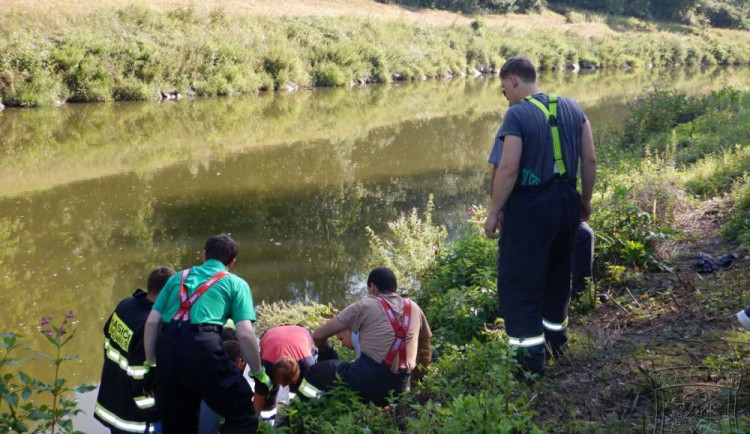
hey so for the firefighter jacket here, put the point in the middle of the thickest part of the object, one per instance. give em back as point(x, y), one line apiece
point(123, 403)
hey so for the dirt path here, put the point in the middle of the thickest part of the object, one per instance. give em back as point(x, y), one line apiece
point(664, 353)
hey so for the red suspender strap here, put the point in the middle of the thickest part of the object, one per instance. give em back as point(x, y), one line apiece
point(183, 313)
point(399, 342)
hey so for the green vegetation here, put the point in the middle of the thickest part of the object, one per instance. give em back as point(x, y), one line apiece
point(717, 13)
point(474, 6)
point(22, 408)
point(137, 53)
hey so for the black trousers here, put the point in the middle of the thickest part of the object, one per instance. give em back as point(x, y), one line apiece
point(193, 366)
point(534, 268)
point(582, 261)
point(372, 380)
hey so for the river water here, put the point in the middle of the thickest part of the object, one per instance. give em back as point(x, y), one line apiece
point(94, 196)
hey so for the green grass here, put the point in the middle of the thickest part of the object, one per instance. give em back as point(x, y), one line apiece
point(134, 52)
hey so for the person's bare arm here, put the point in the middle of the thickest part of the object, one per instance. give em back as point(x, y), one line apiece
point(150, 330)
point(249, 345)
point(424, 358)
point(328, 329)
point(588, 169)
point(502, 185)
point(492, 179)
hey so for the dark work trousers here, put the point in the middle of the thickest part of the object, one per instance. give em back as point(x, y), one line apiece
point(534, 268)
point(582, 261)
point(372, 380)
point(193, 366)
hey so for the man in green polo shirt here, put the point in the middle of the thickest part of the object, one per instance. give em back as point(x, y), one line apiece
point(193, 366)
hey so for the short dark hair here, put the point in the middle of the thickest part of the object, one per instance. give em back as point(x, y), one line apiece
point(521, 67)
point(158, 278)
point(233, 350)
point(221, 247)
point(383, 278)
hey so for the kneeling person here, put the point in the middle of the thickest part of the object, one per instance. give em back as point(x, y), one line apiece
point(394, 340)
point(286, 352)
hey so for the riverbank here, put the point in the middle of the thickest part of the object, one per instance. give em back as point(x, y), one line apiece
point(163, 50)
point(654, 342)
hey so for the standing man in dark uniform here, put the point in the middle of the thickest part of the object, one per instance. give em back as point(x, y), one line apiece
point(582, 261)
point(537, 208)
point(192, 362)
point(123, 404)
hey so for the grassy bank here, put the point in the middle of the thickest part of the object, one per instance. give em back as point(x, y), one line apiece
point(137, 52)
point(661, 349)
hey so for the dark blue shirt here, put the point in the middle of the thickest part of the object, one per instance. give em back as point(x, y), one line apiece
point(526, 121)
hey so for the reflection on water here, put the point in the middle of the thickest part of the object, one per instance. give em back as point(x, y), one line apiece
point(92, 197)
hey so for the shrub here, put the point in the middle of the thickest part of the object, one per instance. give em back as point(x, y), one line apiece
point(329, 74)
point(409, 246)
point(35, 89)
point(458, 293)
point(715, 174)
point(131, 89)
point(338, 410)
point(738, 224)
point(657, 112)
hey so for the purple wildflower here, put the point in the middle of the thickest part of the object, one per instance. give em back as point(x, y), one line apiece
point(47, 332)
point(70, 314)
point(45, 321)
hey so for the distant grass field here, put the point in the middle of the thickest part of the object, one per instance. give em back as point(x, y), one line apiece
point(363, 9)
point(60, 51)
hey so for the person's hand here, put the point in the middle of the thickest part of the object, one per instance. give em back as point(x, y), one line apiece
point(493, 222)
point(262, 382)
point(149, 378)
point(585, 210)
point(327, 353)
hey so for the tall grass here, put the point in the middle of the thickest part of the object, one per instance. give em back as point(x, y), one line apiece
point(134, 53)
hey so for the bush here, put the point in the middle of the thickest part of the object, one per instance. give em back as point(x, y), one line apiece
point(738, 224)
point(409, 247)
point(721, 14)
point(329, 74)
point(715, 174)
point(657, 112)
point(458, 293)
point(35, 89)
point(131, 89)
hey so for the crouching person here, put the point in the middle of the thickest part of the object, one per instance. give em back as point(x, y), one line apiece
point(394, 341)
point(286, 352)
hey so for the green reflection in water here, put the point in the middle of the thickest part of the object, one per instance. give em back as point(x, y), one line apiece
point(94, 196)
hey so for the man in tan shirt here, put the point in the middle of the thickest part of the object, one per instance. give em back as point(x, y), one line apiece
point(394, 339)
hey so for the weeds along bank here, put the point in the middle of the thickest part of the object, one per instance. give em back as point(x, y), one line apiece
point(658, 165)
point(137, 53)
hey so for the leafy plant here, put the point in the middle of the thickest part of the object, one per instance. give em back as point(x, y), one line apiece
point(738, 224)
point(409, 247)
point(24, 414)
point(337, 410)
point(458, 293)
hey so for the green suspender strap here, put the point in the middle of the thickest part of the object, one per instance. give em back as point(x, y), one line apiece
point(552, 117)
